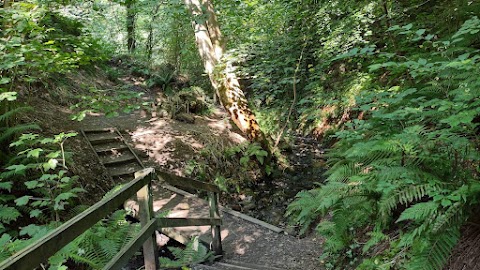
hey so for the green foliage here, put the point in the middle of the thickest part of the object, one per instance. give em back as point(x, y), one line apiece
point(110, 102)
point(409, 164)
point(193, 253)
point(99, 244)
point(40, 42)
point(220, 162)
point(40, 166)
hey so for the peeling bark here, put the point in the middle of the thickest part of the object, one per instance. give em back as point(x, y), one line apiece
point(211, 48)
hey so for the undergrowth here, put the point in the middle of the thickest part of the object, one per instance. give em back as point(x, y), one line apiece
point(403, 179)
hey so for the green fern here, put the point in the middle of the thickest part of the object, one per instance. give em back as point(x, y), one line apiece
point(431, 254)
point(7, 133)
point(98, 245)
point(13, 112)
point(419, 212)
point(410, 166)
point(193, 253)
point(453, 215)
point(404, 195)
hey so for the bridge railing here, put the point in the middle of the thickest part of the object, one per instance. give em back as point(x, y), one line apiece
point(39, 251)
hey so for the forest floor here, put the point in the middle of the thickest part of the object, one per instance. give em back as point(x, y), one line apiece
point(168, 145)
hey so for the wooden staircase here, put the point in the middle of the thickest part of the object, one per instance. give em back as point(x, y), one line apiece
point(114, 153)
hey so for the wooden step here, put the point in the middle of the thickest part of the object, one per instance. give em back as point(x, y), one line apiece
point(123, 178)
point(110, 147)
point(231, 264)
point(121, 157)
point(125, 169)
point(105, 137)
point(99, 130)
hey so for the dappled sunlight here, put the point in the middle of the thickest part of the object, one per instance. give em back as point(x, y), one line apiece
point(171, 144)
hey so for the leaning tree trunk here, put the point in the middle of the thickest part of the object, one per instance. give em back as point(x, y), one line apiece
point(211, 47)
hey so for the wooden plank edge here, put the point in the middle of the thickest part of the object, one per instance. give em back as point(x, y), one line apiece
point(181, 181)
point(179, 191)
point(235, 266)
point(118, 160)
point(130, 148)
point(187, 222)
point(228, 210)
point(251, 265)
point(127, 252)
point(93, 130)
point(251, 219)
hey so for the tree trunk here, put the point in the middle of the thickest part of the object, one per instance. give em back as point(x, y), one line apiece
point(211, 47)
point(130, 5)
point(7, 3)
point(150, 32)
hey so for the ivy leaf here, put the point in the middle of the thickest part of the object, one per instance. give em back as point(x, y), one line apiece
point(422, 61)
point(446, 202)
point(30, 230)
point(56, 262)
point(9, 96)
point(8, 214)
point(19, 169)
point(420, 32)
point(244, 160)
point(50, 164)
point(4, 80)
point(260, 159)
point(35, 152)
point(6, 186)
point(47, 140)
point(5, 239)
point(64, 196)
point(55, 154)
point(22, 200)
point(35, 213)
point(463, 56)
point(32, 184)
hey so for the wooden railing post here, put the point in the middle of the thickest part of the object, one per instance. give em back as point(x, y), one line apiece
point(145, 202)
point(215, 213)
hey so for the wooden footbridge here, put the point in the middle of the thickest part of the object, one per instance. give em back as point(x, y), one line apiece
point(240, 241)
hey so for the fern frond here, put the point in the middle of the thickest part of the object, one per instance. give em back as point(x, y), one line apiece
point(403, 195)
point(193, 253)
point(432, 255)
point(341, 172)
point(9, 114)
point(419, 211)
point(7, 133)
point(453, 215)
point(375, 238)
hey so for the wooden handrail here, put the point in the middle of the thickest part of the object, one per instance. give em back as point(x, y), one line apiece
point(180, 181)
point(36, 253)
point(42, 249)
